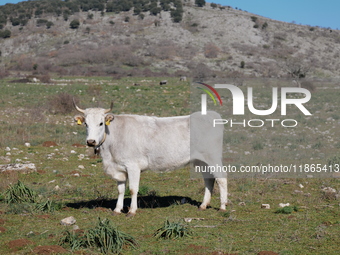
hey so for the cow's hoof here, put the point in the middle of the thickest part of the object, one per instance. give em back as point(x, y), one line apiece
point(202, 208)
point(114, 213)
point(129, 214)
point(222, 210)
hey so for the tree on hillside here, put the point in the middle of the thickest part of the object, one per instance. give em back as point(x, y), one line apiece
point(200, 3)
point(176, 15)
point(5, 34)
point(297, 69)
point(74, 24)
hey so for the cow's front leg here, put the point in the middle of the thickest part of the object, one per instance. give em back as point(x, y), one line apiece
point(120, 200)
point(134, 177)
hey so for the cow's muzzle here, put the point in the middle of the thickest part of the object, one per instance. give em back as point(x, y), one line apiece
point(91, 142)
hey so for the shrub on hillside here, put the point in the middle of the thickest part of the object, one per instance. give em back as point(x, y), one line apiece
point(41, 22)
point(176, 15)
point(264, 25)
point(200, 3)
point(242, 64)
point(201, 72)
point(308, 85)
point(45, 78)
point(211, 50)
point(61, 103)
point(5, 34)
point(49, 24)
point(3, 73)
point(74, 24)
point(253, 18)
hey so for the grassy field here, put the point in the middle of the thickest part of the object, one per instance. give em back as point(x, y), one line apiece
point(86, 193)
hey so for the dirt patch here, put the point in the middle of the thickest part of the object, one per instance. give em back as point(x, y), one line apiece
point(102, 209)
point(25, 80)
point(267, 253)
point(2, 230)
point(195, 249)
point(15, 245)
point(222, 253)
point(49, 249)
point(2, 221)
point(229, 160)
point(78, 145)
point(49, 144)
point(45, 216)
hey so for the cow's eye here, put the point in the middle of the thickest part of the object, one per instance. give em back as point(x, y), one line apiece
point(101, 124)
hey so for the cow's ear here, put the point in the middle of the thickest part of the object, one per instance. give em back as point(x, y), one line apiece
point(108, 118)
point(79, 119)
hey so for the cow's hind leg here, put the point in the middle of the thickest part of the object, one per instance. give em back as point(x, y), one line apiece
point(223, 187)
point(120, 200)
point(209, 186)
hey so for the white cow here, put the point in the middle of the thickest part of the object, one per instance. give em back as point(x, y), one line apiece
point(130, 144)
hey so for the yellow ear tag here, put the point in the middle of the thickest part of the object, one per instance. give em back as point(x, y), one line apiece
point(79, 122)
point(107, 123)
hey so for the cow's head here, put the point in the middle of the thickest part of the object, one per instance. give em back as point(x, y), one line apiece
point(95, 120)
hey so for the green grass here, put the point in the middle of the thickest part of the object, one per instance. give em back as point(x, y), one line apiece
point(173, 230)
point(287, 210)
point(104, 236)
point(19, 193)
point(244, 229)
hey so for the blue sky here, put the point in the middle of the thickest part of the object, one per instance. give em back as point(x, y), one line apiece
point(312, 12)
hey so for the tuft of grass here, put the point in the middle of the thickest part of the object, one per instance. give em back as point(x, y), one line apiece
point(23, 199)
point(173, 230)
point(333, 161)
point(226, 214)
point(287, 209)
point(108, 238)
point(257, 145)
point(72, 240)
point(48, 206)
point(104, 236)
point(20, 193)
point(20, 208)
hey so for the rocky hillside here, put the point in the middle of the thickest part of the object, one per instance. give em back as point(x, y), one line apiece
point(203, 41)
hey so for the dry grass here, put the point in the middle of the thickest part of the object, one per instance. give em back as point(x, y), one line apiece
point(61, 103)
point(8, 178)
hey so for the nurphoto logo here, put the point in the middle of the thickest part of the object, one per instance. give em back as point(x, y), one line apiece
point(238, 107)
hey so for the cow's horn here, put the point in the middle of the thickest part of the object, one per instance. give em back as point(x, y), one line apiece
point(109, 110)
point(78, 109)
